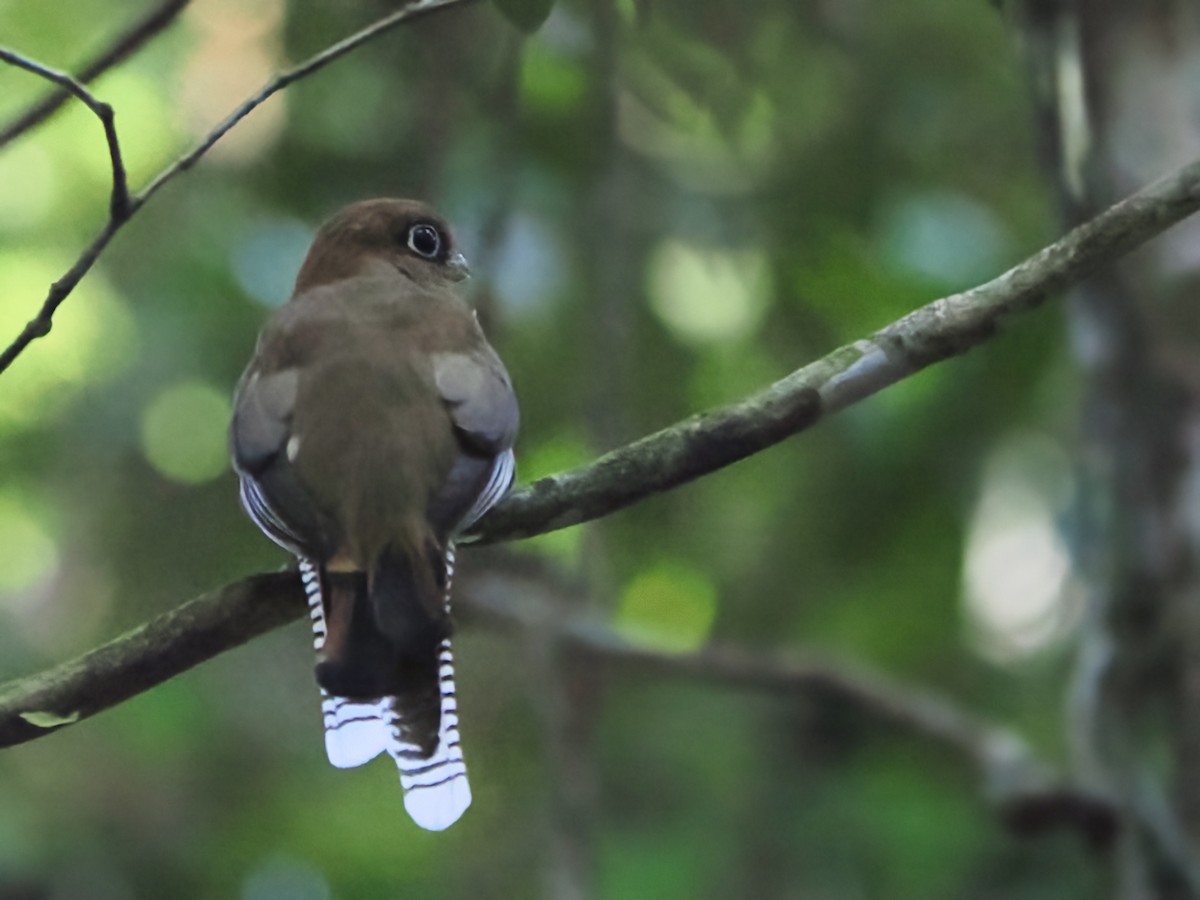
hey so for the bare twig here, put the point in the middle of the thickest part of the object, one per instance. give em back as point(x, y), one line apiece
point(40, 325)
point(140, 33)
point(283, 79)
point(118, 205)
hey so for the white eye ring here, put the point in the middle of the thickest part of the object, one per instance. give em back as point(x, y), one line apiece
point(425, 240)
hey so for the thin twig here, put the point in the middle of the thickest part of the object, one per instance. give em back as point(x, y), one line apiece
point(283, 79)
point(140, 33)
point(40, 325)
point(118, 205)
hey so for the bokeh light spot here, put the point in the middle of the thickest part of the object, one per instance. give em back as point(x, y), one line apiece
point(94, 338)
point(31, 186)
point(183, 432)
point(283, 878)
point(30, 552)
point(529, 269)
point(551, 82)
point(1020, 594)
point(267, 258)
point(943, 235)
point(706, 294)
point(669, 606)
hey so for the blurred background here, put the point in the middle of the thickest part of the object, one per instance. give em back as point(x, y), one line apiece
point(666, 206)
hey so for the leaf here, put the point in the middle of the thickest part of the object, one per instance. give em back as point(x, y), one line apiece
point(526, 15)
point(45, 719)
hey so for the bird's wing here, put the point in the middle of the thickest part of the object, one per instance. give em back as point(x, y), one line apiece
point(263, 417)
point(259, 436)
point(479, 396)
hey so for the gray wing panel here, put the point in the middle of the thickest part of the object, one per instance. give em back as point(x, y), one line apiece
point(480, 399)
point(479, 394)
point(262, 420)
point(271, 493)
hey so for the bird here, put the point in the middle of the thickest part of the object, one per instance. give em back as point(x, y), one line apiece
point(373, 425)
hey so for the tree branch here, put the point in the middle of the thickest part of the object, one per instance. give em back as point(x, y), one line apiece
point(148, 655)
point(1028, 795)
point(118, 204)
point(40, 325)
point(946, 327)
point(125, 44)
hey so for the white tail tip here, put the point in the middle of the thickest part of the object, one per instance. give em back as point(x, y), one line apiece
point(437, 808)
point(355, 733)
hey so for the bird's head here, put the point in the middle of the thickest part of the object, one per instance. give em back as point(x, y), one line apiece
point(381, 235)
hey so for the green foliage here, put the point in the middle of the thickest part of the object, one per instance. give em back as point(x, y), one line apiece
point(666, 205)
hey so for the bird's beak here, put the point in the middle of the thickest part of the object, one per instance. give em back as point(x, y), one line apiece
point(459, 270)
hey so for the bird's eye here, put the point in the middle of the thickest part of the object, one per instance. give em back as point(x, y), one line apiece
point(425, 240)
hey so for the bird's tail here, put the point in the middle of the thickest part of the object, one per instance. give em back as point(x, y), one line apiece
point(371, 704)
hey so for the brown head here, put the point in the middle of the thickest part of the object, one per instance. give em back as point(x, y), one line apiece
point(375, 236)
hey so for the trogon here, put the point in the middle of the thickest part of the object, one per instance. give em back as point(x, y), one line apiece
point(374, 424)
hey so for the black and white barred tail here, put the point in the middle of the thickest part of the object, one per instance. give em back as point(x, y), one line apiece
point(436, 789)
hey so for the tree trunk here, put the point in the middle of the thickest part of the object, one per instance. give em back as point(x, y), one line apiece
point(1118, 104)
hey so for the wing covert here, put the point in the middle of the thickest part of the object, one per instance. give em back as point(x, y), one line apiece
point(479, 394)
